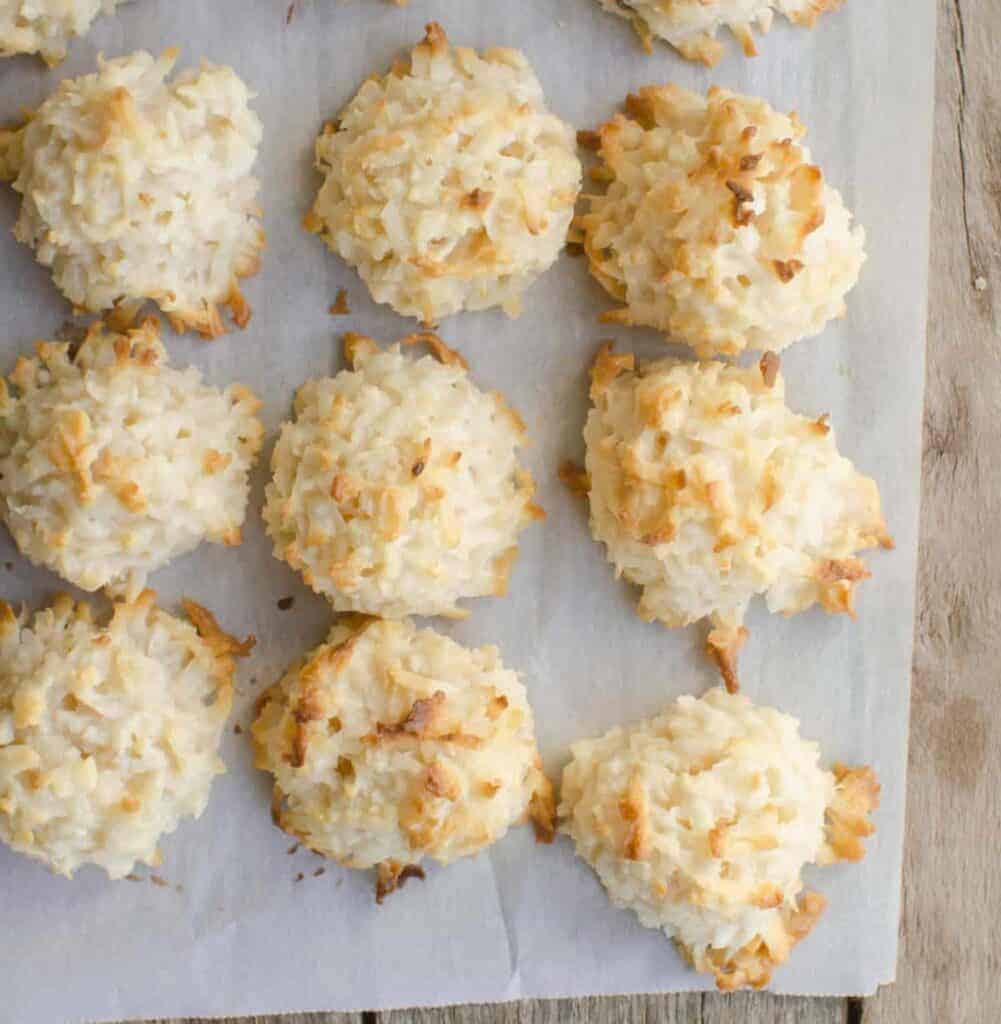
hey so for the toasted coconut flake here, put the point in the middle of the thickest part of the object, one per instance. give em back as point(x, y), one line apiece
point(111, 731)
point(340, 305)
point(541, 808)
point(391, 875)
point(175, 218)
point(397, 489)
point(701, 819)
point(706, 489)
point(835, 570)
point(420, 719)
point(856, 796)
point(606, 368)
point(389, 744)
point(723, 645)
point(213, 634)
point(444, 354)
point(769, 366)
point(112, 463)
point(752, 965)
point(714, 226)
point(448, 184)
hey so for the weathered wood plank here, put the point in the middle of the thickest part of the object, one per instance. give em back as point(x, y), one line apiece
point(291, 1018)
point(952, 893)
point(760, 1007)
point(684, 1009)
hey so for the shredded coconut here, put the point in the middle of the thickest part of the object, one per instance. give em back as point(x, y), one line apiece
point(135, 189)
point(389, 744)
point(715, 227)
point(448, 183)
point(707, 489)
point(112, 463)
point(397, 488)
point(108, 732)
point(700, 820)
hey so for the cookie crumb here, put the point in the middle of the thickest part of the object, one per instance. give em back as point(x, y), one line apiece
point(574, 477)
point(340, 306)
point(285, 603)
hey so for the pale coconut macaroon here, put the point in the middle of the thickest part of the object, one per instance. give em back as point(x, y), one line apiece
point(397, 488)
point(701, 820)
point(707, 489)
point(109, 730)
point(448, 184)
point(389, 744)
point(714, 226)
point(135, 188)
point(46, 27)
point(112, 463)
point(690, 26)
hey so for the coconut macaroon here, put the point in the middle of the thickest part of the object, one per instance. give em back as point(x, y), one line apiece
point(706, 489)
point(701, 820)
point(389, 744)
point(112, 463)
point(715, 227)
point(46, 27)
point(109, 732)
point(690, 26)
point(397, 489)
point(448, 184)
point(137, 189)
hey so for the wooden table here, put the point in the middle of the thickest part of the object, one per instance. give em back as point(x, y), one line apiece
point(948, 971)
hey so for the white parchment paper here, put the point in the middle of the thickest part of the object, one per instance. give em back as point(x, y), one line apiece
point(233, 932)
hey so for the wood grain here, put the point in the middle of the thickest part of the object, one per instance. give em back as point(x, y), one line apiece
point(948, 965)
point(692, 1008)
point(613, 1010)
point(289, 1018)
point(948, 972)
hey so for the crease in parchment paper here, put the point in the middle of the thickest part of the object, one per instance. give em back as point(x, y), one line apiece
point(514, 962)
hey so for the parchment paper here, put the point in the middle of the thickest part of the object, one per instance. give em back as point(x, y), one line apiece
point(233, 932)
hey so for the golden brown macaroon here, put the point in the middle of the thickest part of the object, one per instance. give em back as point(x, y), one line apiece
point(707, 490)
point(714, 226)
point(389, 744)
point(701, 820)
point(135, 188)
